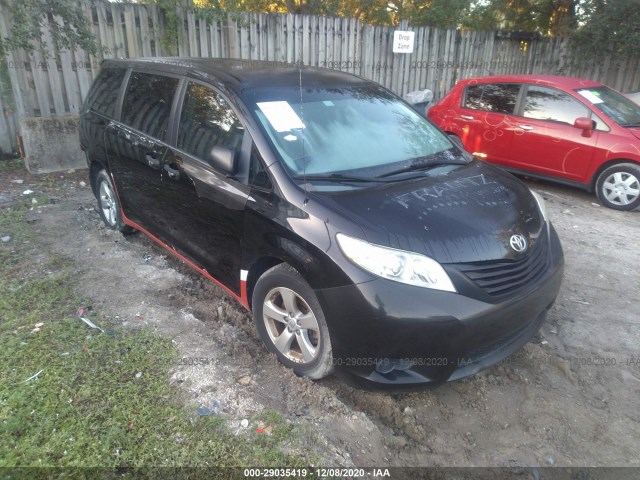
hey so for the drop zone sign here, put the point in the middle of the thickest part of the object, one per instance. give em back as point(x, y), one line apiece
point(403, 42)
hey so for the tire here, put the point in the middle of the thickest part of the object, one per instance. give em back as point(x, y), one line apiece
point(108, 204)
point(618, 186)
point(291, 323)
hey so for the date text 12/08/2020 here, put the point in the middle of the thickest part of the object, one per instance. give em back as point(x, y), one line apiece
point(316, 472)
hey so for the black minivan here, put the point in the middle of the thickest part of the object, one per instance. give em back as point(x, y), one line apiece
point(357, 233)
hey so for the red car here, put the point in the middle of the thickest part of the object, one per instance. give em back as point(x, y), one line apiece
point(569, 130)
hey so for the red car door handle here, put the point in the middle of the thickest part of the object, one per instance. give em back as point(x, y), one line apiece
point(466, 117)
point(525, 127)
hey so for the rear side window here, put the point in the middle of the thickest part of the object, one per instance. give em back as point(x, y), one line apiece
point(147, 103)
point(207, 120)
point(103, 96)
point(544, 103)
point(492, 97)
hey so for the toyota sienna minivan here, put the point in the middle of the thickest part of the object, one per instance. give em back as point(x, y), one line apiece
point(358, 235)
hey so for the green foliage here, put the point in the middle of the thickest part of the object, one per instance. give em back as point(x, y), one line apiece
point(5, 87)
point(170, 34)
point(608, 27)
point(543, 16)
point(209, 10)
point(65, 19)
point(439, 13)
point(556, 17)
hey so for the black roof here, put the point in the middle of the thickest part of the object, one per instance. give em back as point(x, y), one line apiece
point(239, 74)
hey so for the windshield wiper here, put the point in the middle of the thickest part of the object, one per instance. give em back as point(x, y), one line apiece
point(340, 177)
point(337, 177)
point(421, 166)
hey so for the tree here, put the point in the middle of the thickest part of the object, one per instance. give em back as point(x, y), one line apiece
point(302, 7)
point(438, 13)
point(555, 17)
point(65, 20)
point(547, 17)
point(562, 17)
point(608, 27)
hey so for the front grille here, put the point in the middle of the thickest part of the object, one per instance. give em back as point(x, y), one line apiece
point(505, 277)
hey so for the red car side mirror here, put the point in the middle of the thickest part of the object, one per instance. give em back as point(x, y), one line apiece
point(585, 124)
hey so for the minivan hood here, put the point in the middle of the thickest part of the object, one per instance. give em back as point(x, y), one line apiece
point(455, 214)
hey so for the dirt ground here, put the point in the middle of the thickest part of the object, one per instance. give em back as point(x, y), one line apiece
point(571, 397)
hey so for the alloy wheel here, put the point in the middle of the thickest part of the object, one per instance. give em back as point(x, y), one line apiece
point(108, 203)
point(291, 325)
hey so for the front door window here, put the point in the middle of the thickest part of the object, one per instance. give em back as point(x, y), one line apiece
point(545, 103)
point(207, 120)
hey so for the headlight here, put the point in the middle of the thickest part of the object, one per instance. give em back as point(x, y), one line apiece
point(542, 205)
point(396, 265)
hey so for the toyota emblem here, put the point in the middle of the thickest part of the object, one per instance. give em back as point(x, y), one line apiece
point(518, 243)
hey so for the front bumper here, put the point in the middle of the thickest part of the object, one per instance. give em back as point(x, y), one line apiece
point(387, 334)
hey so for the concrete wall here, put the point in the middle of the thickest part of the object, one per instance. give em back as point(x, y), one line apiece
point(51, 144)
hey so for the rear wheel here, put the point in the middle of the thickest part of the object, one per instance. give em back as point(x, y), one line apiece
point(109, 205)
point(618, 186)
point(291, 323)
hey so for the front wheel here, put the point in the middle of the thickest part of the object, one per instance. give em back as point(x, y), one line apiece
point(618, 186)
point(290, 322)
point(109, 205)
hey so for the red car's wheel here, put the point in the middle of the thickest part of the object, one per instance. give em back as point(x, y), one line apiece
point(618, 186)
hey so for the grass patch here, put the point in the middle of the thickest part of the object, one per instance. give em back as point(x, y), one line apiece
point(11, 165)
point(71, 396)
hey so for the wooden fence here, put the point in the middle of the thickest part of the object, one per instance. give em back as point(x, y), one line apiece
point(35, 86)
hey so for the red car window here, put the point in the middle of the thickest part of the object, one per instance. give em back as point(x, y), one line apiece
point(492, 97)
point(543, 103)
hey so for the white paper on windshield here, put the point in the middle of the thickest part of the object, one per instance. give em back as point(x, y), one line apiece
point(281, 116)
point(592, 97)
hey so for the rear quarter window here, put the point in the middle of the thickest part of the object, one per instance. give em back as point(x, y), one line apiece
point(104, 94)
point(492, 97)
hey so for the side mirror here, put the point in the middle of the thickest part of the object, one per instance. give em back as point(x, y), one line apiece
point(223, 159)
point(585, 124)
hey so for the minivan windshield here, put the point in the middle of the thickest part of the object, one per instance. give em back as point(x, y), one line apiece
point(617, 107)
point(362, 132)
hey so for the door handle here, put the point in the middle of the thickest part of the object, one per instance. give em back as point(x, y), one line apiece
point(173, 173)
point(466, 117)
point(525, 127)
point(152, 161)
